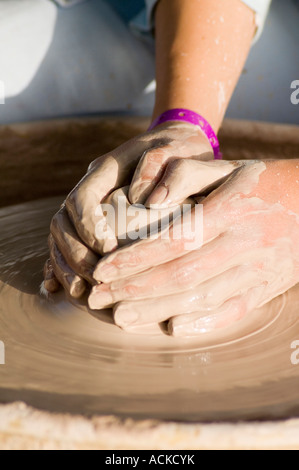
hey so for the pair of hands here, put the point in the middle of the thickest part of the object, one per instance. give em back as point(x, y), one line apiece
point(75, 249)
point(249, 255)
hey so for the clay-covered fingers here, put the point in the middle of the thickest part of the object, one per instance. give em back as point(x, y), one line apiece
point(71, 282)
point(50, 283)
point(148, 173)
point(207, 222)
point(206, 298)
point(184, 141)
point(186, 177)
point(178, 275)
point(81, 259)
point(84, 203)
point(187, 233)
point(226, 315)
point(199, 323)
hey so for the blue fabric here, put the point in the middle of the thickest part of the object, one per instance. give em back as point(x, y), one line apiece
point(138, 14)
point(127, 9)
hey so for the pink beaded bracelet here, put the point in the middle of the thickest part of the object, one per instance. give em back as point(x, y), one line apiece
point(193, 118)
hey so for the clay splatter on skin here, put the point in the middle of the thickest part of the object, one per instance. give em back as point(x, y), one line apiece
point(260, 263)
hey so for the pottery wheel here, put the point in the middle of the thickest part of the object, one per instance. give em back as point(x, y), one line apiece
point(61, 357)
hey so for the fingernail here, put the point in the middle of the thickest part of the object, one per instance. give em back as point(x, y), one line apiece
point(99, 299)
point(124, 318)
point(178, 331)
point(158, 196)
point(105, 273)
point(77, 288)
point(139, 193)
point(109, 245)
point(51, 285)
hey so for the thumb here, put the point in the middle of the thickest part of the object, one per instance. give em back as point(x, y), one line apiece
point(185, 177)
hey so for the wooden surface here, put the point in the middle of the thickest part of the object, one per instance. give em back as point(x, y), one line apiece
point(48, 158)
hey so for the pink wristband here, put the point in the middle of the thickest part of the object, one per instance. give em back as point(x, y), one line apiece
point(193, 118)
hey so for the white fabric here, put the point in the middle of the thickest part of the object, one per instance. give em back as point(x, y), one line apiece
point(261, 7)
point(20, 53)
point(150, 5)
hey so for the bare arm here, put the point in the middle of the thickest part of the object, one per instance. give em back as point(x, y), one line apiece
point(201, 48)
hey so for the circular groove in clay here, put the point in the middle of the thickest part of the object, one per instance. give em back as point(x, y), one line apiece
point(60, 357)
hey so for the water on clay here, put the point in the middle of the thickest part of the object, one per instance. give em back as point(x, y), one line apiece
point(61, 357)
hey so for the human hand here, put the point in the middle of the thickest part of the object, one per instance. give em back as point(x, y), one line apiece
point(250, 255)
point(74, 242)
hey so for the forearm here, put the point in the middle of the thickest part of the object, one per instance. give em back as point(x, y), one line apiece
point(201, 48)
point(280, 184)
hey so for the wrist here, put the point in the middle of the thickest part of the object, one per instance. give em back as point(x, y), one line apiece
point(203, 144)
point(192, 118)
point(211, 115)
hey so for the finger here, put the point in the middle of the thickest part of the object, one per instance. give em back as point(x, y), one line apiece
point(182, 141)
point(84, 203)
point(71, 282)
point(197, 324)
point(185, 177)
point(148, 172)
point(84, 209)
point(149, 329)
point(187, 233)
point(181, 274)
point(209, 295)
point(50, 283)
point(218, 215)
point(222, 317)
point(81, 259)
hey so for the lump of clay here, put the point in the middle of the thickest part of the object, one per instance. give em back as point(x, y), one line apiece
point(131, 222)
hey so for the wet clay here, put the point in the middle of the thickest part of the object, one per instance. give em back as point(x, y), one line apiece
point(62, 357)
